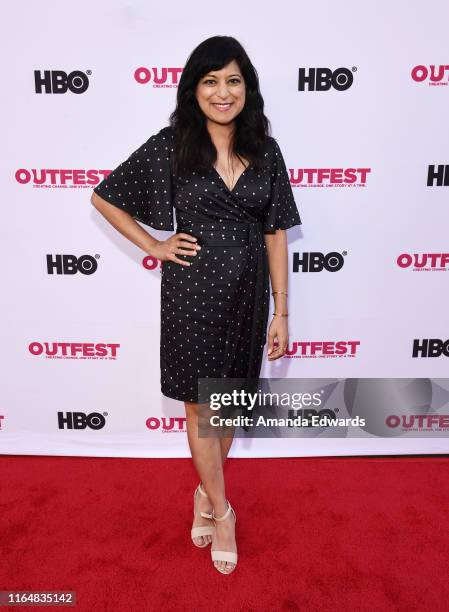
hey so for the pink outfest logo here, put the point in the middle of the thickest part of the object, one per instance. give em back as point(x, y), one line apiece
point(329, 177)
point(424, 262)
point(434, 75)
point(158, 77)
point(167, 425)
point(322, 349)
point(60, 178)
point(418, 422)
point(74, 350)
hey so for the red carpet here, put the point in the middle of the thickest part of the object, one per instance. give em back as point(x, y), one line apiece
point(313, 534)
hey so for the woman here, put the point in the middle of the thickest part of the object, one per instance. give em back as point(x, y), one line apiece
point(226, 178)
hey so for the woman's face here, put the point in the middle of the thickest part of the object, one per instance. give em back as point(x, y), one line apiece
point(221, 93)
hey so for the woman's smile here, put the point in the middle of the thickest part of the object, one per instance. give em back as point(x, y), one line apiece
point(223, 107)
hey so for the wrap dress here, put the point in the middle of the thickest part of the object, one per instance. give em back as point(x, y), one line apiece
point(214, 313)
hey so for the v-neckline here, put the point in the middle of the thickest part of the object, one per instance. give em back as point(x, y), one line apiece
point(237, 181)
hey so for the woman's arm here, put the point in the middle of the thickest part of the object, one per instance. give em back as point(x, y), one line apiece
point(277, 252)
point(161, 249)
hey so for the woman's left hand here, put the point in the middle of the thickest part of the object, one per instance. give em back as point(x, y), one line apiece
point(278, 331)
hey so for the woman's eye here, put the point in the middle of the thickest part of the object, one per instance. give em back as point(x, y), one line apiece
point(235, 80)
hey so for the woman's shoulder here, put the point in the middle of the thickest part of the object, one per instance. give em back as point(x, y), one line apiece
point(273, 143)
point(271, 148)
point(158, 142)
point(165, 134)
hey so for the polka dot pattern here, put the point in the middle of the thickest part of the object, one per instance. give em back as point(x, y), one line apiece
point(142, 185)
point(281, 212)
point(214, 313)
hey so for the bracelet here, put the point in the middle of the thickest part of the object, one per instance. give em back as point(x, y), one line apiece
point(284, 292)
point(280, 314)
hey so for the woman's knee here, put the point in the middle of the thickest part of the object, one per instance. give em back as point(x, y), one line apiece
point(197, 410)
point(200, 415)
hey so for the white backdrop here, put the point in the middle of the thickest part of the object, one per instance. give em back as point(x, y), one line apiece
point(386, 123)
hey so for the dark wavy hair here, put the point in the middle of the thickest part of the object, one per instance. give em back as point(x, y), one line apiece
point(193, 149)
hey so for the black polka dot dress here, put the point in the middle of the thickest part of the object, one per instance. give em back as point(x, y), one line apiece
point(214, 313)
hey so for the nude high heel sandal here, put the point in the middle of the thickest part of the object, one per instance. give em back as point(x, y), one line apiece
point(224, 555)
point(197, 532)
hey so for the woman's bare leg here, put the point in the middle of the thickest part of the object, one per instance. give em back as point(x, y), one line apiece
point(203, 503)
point(226, 444)
point(209, 454)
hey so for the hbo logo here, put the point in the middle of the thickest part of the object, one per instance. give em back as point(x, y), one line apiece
point(80, 420)
point(322, 79)
point(317, 262)
point(58, 82)
point(70, 264)
point(430, 347)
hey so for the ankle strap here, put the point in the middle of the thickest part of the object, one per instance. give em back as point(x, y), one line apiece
point(206, 515)
point(201, 490)
point(225, 515)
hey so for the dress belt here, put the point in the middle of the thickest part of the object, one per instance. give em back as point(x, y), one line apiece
point(223, 233)
point(246, 334)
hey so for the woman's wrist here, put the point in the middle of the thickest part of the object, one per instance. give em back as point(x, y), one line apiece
point(280, 302)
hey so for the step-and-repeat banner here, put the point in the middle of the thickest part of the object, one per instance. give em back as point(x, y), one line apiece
point(357, 96)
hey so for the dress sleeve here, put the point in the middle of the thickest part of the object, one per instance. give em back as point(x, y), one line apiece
point(142, 184)
point(282, 212)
